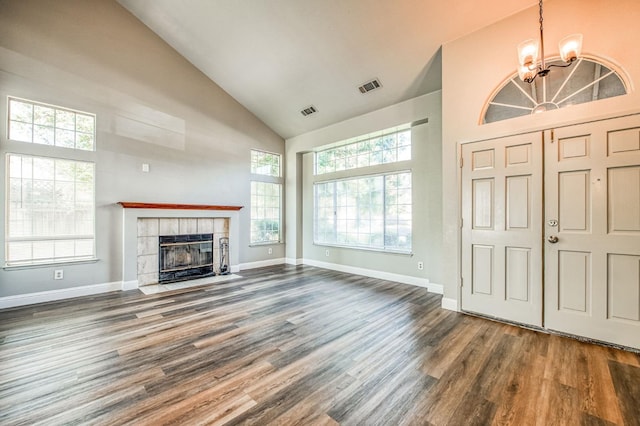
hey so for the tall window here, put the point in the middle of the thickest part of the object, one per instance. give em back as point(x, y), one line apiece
point(266, 198)
point(372, 208)
point(369, 212)
point(50, 201)
point(265, 212)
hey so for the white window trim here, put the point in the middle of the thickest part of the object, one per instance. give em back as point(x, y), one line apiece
point(55, 152)
point(383, 249)
point(280, 208)
point(368, 137)
point(56, 107)
point(51, 261)
point(270, 153)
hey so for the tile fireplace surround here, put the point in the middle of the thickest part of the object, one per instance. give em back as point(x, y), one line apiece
point(143, 223)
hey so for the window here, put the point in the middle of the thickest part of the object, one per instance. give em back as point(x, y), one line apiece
point(265, 163)
point(50, 210)
point(266, 196)
point(388, 146)
point(265, 212)
point(368, 212)
point(585, 81)
point(50, 201)
point(48, 125)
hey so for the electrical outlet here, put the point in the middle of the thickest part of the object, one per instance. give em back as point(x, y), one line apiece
point(270, 250)
point(421, 265)
point(145, 167)
point(58, 274)
point(326, 253)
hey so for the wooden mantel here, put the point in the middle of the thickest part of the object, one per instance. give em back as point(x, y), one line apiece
point(169, 206)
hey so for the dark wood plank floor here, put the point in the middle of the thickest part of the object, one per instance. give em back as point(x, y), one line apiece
point(299, 345)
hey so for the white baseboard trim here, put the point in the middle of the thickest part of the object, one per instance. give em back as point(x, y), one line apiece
point(449, 304)
point(293, 261)
point(436, 288)
point(129, 285)
point(404, 279)
point(261, 263)
point(234, 269)
point(63, 293)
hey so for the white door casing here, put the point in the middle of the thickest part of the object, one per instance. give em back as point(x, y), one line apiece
point(502, 228)
point(592, 190)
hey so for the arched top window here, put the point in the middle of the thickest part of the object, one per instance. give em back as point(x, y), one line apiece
point(585, 81)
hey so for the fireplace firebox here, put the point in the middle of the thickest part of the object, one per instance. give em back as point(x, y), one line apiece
point(185, 257)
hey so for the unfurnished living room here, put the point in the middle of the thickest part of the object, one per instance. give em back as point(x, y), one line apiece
point(338, 212)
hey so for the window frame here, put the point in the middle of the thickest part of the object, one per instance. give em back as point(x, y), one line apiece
point(352, 155)
point(335, 243)
point(551, 95)
point(50, 151)
point(253, 218)
point(53, 126)
point(41, 238)
point(267, 153)
point(266, 178)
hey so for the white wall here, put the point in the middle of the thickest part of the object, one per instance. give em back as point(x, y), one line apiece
point(427, 196)
point(152, 107)
point(475, 65)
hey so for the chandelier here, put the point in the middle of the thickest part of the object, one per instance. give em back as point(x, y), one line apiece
point(529, 68)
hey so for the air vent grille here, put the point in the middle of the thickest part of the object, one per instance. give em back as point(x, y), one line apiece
point(370, 85)
point(309, 110)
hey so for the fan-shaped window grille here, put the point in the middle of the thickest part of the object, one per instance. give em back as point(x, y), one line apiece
point(587, 80)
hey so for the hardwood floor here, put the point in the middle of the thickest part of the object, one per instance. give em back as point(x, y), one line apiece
point(299, 345)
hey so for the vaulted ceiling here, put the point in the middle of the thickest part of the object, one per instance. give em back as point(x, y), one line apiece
point(277, 57)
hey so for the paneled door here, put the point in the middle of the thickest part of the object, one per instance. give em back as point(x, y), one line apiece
point(592, 230)
point(502, 228)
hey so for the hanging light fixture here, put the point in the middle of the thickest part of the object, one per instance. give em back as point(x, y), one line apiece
point(529, 68)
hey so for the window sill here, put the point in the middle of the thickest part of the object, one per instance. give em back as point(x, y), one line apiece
point(48, 264)
point(268, 243)
point(394, 252)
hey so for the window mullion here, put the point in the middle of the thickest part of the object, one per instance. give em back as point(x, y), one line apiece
point(384, 211)
point(335, 212)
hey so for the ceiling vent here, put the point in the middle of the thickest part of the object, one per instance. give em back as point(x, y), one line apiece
point(370, 85)
point(309, 110)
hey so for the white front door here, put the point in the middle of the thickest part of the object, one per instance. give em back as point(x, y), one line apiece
point(592, 230)
point(502, 228)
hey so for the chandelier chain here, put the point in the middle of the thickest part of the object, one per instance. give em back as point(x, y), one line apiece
point(540, 4)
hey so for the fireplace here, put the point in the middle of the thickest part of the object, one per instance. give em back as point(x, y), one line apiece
point(144, 223)
point(184, 257)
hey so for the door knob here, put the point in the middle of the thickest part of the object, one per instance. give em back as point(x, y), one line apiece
point(552, 239)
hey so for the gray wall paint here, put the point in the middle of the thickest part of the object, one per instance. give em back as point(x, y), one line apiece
point(426, 167)
point(152, 107)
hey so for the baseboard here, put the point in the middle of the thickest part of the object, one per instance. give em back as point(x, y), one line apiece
point(129, 285)
point(63, 293)
point(449, 304)
point(436, 288)
point(261, 263)
point(293, 261)
point(404, 279)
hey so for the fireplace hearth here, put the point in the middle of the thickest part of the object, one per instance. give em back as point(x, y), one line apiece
point(185, 257)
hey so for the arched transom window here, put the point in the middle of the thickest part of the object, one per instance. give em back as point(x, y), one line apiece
point(587, 80)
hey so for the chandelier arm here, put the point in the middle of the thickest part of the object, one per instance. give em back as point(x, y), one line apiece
point(560, 66)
